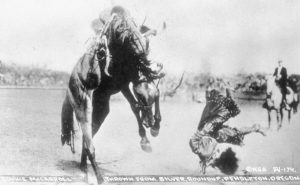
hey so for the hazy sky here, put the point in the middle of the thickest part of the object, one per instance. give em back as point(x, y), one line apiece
point(221, 36)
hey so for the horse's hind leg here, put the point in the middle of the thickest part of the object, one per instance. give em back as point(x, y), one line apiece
point(289, 115)
point(155, 129)
point(269, 119)
point(84, 115)
point(279, 118)
point(83, 163)
point(66, 121)
point(100, 111)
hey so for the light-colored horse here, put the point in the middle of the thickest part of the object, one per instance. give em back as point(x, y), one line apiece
point(274, 100)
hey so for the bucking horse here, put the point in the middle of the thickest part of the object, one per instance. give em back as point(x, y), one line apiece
point(90, 89)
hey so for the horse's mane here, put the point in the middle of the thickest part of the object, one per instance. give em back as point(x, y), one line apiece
point(126, 41)
point(121, 27)
point(124, 33)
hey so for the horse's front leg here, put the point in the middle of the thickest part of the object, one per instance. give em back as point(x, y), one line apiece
point(157, 118)
point(84, 116)
point(289, 116)
point(145, 143)
point(279, 118)
point(269, 119)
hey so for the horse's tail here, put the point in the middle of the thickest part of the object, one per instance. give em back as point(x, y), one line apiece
point(67, 122)
point(295, 102)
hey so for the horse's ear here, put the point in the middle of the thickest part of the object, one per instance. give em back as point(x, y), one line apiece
point(143, 29)
point(148, 31)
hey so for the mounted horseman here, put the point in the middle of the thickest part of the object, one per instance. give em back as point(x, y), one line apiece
point(94, 80)
point(281, 78)
point(279, 95)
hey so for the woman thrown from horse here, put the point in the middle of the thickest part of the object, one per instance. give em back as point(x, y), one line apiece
point(213, 140)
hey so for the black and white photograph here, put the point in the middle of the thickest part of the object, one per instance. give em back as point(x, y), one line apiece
point(130, 92)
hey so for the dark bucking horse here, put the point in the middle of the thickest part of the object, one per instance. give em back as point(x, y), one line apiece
point(90, 89)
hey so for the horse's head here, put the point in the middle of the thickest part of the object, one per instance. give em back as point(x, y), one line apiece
point(271, 84)
point(146, 94)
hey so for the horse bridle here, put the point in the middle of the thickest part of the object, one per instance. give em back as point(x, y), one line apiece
point(142, 106)
point(103, 32)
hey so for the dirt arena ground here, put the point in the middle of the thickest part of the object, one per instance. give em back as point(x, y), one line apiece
point(30, 139)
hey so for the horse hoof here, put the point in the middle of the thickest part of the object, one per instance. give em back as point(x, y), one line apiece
point(100, 179)
point(154, 132)
point(278, 128)
point(145, 145)
point(63, 139)
point(83, 167)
